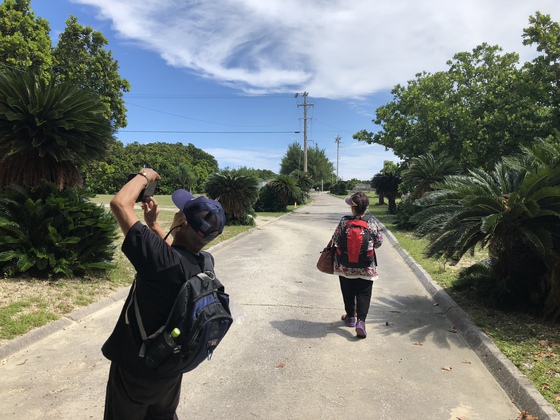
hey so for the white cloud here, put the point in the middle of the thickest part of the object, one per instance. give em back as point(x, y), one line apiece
point(252, 158)
point(333, 48)
point(360, 160)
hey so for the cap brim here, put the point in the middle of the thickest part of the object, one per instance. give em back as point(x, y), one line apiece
point(180, 198)
point(348, 200)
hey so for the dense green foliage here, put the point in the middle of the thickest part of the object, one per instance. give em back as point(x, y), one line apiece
point(268, 200)
point(48, 130)
point(339, 188)
point(167, 159)
point(24, 39)
point(80, 55)
point(49, 233)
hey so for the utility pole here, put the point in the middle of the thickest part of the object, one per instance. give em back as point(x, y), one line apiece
point(337, 141)
point(304, 105)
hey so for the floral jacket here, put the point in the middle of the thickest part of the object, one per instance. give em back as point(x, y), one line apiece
point(368, 273)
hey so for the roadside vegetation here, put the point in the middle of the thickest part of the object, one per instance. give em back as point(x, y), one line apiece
point(529, 341)
point(27, 302)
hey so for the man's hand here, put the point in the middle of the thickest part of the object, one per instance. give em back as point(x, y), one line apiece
point(151, 211)
point(122, 205)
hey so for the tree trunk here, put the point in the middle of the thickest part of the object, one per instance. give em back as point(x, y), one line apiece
point(392, 205)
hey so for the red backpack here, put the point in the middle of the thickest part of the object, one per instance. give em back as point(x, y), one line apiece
point(352, 250)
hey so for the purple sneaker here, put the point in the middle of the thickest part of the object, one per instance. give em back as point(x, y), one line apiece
point(361, 329)
point(349, 321)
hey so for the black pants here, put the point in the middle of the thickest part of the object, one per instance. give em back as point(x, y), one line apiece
point(131, 397)
point(356, 294)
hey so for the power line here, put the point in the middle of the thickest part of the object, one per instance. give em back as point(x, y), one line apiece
point(210, 96)
point(207, 132)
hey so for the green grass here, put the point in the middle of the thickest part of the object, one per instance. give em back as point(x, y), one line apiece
point(19, 317)
point(531, 343)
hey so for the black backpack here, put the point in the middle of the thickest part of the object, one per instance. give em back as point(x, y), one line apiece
point(352, 250)
point(199, 319)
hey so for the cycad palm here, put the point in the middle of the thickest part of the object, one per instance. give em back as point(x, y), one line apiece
point(515, 213)
point(386, 184)
point(48, 130)
point(236, 193)
point(286, 188)
point(426, 170)
point(304, 182)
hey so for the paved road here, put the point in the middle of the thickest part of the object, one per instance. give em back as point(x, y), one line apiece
point(287, 356)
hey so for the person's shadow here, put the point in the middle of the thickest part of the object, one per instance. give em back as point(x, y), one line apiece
point(298, 328)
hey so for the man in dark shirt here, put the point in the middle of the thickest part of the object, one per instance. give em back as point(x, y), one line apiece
point(135, 391)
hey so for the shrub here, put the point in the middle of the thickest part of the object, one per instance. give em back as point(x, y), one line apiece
point(269, 201)
point(405, 210)
point(48, 233)
point(340, 188)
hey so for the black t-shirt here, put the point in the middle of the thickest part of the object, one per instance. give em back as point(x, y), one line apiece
point(158, 280)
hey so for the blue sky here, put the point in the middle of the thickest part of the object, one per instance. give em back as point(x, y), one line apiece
point(223, 74)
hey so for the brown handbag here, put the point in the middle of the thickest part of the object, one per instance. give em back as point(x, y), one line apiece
point(326, 259)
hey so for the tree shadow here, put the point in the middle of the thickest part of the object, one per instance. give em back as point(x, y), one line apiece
point(417, 317)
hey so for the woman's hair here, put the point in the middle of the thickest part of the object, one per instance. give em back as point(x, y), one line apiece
point(361, 202)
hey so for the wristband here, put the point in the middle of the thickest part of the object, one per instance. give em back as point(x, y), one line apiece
point(145, 176)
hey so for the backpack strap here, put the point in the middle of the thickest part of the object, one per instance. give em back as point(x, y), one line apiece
point(190, 268)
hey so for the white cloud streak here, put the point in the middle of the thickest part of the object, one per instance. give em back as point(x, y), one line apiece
point(333, 48)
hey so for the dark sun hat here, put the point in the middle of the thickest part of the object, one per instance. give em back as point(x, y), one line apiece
point(204, 215)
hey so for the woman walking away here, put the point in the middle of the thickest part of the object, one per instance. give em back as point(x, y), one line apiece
point(356, 237)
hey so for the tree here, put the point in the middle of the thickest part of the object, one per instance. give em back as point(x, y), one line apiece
point(108, 176)
point(48, 130)
point(423, 171)
point(25, 43)
point(236, 194)
point(477, 111)
point(286, 189)
point(80, 56)
point(166, 158)
point(388, 167)
point(184, 175)
point(304, 182)
point(318, 167)
point(386, 184)
point(544, 70)
point(515, 213)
